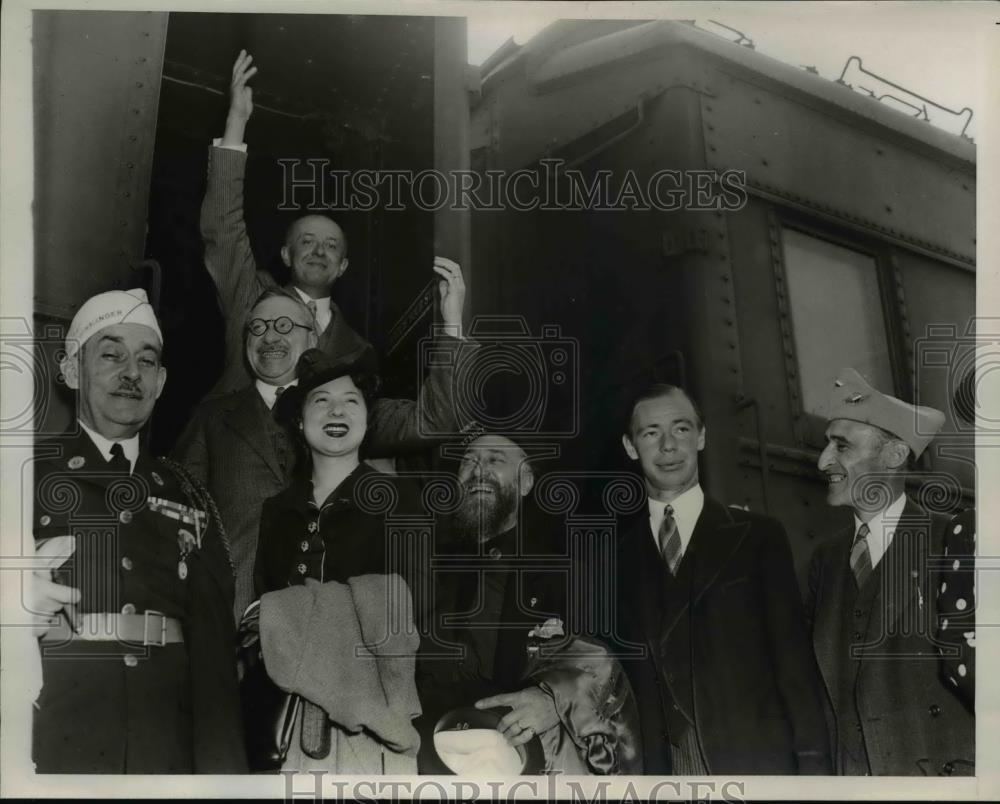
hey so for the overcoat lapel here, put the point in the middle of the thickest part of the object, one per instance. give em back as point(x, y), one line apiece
point(247, 419)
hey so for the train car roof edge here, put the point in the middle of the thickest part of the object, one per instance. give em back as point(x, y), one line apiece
point(544, 68)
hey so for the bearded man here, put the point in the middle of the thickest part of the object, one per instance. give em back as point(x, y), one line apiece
point(499, 593)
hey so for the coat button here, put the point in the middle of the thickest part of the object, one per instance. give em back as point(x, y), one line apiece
point(858, 728)
point(948, 768)
point(856, 635)
point(934, 709)
point(858, 612)
point(313, 527)
point(126, 563)
point(125, 517)
point(128, 608)
point(304, 546)
point(302, 569)
point(130, 660)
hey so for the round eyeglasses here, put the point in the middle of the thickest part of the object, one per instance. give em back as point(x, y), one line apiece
point(282, 325)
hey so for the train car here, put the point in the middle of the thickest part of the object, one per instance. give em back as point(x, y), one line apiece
point(850, 243)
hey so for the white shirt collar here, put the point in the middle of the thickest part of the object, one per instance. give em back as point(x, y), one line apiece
point(687, 508)
point(322, 308)
point(130, 446)
point(881, 528)
point(269, 393)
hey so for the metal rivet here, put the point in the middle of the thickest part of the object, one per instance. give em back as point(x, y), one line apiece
point(130, 660)
point(126, 563)
point(125, 517)
point(128, 608)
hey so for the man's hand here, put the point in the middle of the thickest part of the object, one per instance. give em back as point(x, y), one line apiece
point(240, 100)
point(532, 712)
point(45, 598)
point(452, 290)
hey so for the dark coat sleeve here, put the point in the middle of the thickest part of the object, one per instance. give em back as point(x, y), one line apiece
point(798, 674)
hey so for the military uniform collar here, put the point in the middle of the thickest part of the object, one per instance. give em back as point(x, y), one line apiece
point(130, 446)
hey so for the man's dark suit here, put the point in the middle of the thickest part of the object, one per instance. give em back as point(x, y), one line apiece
point(905, 720)
point(230, 262)
point(726, 650)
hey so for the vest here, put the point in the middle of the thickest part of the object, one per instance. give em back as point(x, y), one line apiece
point(851, 752)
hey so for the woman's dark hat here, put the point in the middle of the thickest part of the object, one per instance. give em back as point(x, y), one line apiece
point(315, 368)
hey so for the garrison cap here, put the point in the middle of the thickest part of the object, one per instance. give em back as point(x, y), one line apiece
point(855, 399)
point(106, 309)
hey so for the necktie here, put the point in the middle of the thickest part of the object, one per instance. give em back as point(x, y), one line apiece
point(278, 392)
point(118, 462)
point(670, 540)
point(311, 304)
point(861, 558)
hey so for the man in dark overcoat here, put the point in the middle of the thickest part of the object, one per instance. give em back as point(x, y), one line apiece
point(710, 620)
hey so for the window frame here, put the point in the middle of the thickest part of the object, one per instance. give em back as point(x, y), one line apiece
point(808, 428)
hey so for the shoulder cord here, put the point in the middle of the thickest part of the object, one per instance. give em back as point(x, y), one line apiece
point(199, 497)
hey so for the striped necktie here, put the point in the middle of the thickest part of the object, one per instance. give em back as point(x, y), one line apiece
point(861, 557)
point(669, 539)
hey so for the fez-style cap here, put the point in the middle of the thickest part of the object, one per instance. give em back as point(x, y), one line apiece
point(106, 309)
point(315, 368)
point(855, 399)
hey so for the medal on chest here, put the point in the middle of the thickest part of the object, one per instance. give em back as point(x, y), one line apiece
point(187, 543)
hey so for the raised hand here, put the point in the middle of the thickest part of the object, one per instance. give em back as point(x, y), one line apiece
point(452, 291)
point(240, 100)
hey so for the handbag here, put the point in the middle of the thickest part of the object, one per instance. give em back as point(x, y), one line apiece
point(269, 713)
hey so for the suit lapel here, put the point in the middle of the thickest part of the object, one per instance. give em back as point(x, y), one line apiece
point(716, 537)
point(247, 419)
point(901, 575)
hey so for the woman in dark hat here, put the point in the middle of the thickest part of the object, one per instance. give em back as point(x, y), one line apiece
point(324, 576)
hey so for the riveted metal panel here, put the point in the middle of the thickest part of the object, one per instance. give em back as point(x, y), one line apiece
point(841, 167)
point(96, 90)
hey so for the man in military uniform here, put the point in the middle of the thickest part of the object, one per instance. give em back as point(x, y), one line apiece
point(872, 601)
point(138, 665)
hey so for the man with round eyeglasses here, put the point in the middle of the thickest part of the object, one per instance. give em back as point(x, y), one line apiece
point(235, 447)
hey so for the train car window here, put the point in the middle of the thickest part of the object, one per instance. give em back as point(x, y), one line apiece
point(837, 315)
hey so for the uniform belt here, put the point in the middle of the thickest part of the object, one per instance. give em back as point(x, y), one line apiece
point(150, 628)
